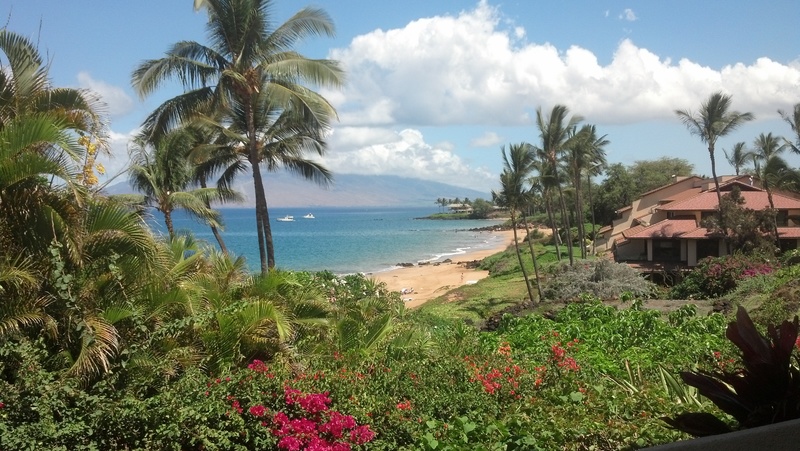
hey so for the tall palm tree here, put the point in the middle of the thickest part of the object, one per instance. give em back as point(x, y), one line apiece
point(214, 156)
point(517, 164)
point(739, 156)
point(161, 171)
point(772, 168)
point(554, 131)
point(543, 184)
point(249, 75)
point(793, 120)
point(593, 171)
point(585, 150)
point(713, 120)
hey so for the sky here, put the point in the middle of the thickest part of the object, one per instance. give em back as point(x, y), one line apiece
point(436, 89)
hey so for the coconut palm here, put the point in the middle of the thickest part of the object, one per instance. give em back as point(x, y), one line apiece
point(214, 156)
point(517, 165)
point(554, 131)
point(772, 169)
point(793, 119)
point(34, 151)
point(739, 156)
point(713, 120)
point(585, 151)
point(249, 75)
point(543, 184)
point(161, 171)
point(25, 89)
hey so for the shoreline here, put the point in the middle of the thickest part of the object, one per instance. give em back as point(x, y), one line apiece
point(432, 280)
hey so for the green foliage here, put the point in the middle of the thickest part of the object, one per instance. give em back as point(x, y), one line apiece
point(749, 231)
point(765, 389)
point(481, 209)
point(716, 276)
point(623, 184)
point(602, 279)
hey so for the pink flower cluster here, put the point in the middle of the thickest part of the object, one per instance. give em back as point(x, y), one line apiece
point(312, 425)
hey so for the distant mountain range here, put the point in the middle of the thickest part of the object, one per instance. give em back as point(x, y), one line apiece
point(347, 190)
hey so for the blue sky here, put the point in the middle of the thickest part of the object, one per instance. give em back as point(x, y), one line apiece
point(435, 88)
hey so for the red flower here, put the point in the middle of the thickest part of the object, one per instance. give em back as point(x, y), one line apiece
point(405, 405)
point(258, 410)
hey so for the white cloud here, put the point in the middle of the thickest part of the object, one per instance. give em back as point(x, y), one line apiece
point(405, 154)
point(488, 139)
point(628, 15)
point(469, 69)
point(118, 159)
point(115, 98)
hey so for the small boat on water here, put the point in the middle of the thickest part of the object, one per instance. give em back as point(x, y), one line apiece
point(309, 216)
point(287, 218)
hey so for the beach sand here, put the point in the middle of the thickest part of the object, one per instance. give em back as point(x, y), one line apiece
point(431, 281)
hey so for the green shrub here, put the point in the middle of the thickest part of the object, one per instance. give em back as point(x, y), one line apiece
point(716, 276)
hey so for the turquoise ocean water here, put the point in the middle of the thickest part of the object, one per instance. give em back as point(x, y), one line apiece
point(346, 240)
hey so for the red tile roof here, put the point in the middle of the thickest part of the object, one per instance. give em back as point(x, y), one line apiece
point(700, 233)
point(755, 200)
point(668, 228)
point(693, 177)
point(789, 232)
point(633, 230)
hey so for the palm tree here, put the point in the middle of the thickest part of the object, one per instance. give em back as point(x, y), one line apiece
point(554, 131)
point(517, 164)
point(739, 156)
point(594, 170)
point(793, 120)
point(250, 76)
point(214, 156)
point(543, 184)
point(25, 89)
point(772, 168)
point(714, 120)
point(161, 171)
point(585, 150)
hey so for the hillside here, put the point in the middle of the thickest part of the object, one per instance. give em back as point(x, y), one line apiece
point(347, 190)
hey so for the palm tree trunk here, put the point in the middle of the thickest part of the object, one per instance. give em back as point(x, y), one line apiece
point(214, 229)
point(268, 235)
point(591, 207)
point(774, 215)
point(264, 231)
point(258, 187)
point(533, 257)
point(565, 219)
point(519, 258)
point(168, 221)
point(719, 199)
point(551, 217)
point(579, 214)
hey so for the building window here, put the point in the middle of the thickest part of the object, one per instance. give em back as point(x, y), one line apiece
point(666, 250)
point(782, 219)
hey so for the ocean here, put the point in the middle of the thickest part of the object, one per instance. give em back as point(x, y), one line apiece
point(344, 240)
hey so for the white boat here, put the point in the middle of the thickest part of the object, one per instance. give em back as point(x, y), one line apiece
point(286, 218)
point(309, 216)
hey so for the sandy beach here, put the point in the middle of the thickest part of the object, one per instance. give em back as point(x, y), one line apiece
point(431, 281)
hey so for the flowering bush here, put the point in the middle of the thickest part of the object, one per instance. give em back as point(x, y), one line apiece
point(716, 276)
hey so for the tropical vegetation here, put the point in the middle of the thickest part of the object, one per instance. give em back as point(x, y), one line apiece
point(112, 337)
